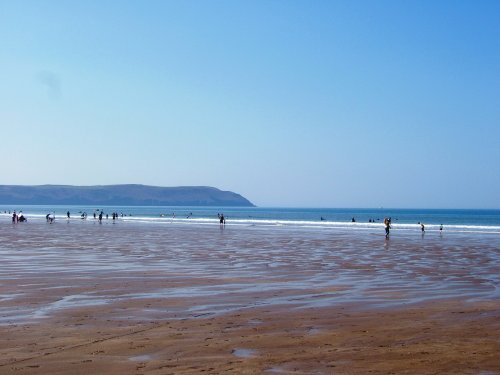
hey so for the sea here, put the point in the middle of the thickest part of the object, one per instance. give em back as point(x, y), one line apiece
point(368, 219)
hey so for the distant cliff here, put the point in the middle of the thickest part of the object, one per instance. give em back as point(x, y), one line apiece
point(120, 195)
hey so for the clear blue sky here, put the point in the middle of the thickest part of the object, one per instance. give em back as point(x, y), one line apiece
point(289, 103)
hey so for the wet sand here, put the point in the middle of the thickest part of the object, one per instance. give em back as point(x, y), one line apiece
point(78, 297)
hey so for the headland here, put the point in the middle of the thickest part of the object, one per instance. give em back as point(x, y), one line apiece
point(121, 195)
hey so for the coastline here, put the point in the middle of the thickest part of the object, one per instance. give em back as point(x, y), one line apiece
point(132, 298)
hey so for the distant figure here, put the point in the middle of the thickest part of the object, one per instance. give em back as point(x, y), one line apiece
point(222, 220)
point(322, 218)
point(190, 214)
point(94, 215)
point(441, 229)
point(353, 220)
point(100, 217)
point(387, 223)
point(422, 227)
point(22, 219)
point(47, 217)
point(67, 214)
point(14, 217)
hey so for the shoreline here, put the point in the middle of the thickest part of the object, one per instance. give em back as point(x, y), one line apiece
point(470, 221)
point(403, 229)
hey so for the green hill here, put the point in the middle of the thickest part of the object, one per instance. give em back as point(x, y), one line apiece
point(120, 195)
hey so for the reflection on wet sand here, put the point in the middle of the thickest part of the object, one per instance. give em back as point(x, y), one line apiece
point(187, 271)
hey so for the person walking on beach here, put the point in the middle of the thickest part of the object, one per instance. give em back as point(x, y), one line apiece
point(422, 227)
point(222, 220)
point(387, 223)
point(67, 214)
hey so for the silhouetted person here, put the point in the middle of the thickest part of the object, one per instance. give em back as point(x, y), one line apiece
point(387, 223)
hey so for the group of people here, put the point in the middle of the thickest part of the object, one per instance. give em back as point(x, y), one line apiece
point(50, 217)
point(101, 214)
point(387, 223)
point(18, 218)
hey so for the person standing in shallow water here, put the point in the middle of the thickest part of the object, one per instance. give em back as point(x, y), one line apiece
point(387, 223)
point(222, 220)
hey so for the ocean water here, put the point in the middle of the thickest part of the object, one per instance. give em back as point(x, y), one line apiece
point(453, 220)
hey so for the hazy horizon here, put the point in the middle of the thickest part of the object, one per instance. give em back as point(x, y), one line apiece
point(291, 104)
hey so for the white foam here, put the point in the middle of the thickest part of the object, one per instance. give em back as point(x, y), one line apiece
point(275, 223)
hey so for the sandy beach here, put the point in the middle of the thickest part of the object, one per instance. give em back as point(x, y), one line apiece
point(126, 298)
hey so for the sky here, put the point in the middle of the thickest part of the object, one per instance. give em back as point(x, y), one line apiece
point(288, 103)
